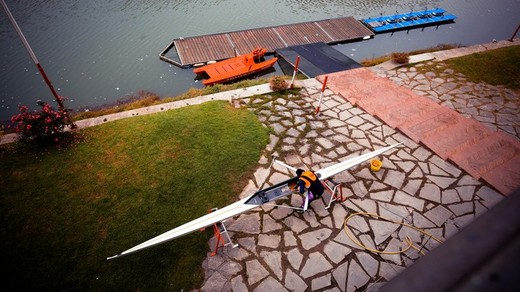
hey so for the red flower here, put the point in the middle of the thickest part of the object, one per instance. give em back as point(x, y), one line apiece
point(34, 125)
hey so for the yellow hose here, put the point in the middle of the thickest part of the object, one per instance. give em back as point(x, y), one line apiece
point(408, 240)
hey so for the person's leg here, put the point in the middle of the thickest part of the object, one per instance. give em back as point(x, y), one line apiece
point(310, 196)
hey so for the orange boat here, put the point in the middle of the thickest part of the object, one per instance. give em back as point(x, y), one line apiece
point(234, 68)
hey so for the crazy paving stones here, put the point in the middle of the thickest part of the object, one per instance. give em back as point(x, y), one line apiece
point(450, 134)
point(282, 250)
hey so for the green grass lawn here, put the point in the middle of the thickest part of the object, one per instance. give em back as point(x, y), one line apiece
point(496, 67)
point(64, 211)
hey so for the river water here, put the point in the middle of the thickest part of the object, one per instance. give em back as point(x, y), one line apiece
point(96, 52)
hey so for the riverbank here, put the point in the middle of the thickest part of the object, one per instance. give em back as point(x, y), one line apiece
point(66, 209)
point(311, 251)
point(97, 53)
point(262, 89)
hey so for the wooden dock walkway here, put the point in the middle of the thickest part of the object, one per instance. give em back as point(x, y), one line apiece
point(185, 52)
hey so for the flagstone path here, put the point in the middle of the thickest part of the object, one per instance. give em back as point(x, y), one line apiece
point(456, 136)
point(281, 250)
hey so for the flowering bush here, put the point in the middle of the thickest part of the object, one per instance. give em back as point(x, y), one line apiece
point(44, 126)
point(401, 58)
point(278, 83)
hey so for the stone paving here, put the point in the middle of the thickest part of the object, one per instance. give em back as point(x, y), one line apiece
point(480, 151)
point(496, 107)
point(281, 250)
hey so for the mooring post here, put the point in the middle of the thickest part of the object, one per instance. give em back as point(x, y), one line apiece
point(37, 63)
point(295, 71)
point(514, 35)
point(321, 94)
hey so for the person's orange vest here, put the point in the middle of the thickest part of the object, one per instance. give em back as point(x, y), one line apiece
point(308, 177)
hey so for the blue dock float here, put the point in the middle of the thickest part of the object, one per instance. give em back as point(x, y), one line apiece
point(408, 20)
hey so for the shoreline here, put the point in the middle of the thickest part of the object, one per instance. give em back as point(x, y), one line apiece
point(264, 88)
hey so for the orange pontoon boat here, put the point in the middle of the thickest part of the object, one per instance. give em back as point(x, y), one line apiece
point(234, 68)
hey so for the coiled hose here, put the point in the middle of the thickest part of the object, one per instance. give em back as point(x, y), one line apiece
point(408, 239)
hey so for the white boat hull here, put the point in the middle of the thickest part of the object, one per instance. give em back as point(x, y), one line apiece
point(245, 204)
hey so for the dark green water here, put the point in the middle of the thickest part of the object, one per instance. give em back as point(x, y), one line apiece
point(96, 52)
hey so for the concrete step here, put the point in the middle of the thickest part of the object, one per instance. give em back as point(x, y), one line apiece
point(456, 137)
point(380, 99)
point(480, 152)
point(491, 152)
point(430, 123)
point(345, 83)
point(363, 88)
point(8, 138)
point(405, 111)
point(505, 177)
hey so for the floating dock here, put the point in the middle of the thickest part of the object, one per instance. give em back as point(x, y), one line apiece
point(316, 59)
point(408, 20)
point(185, 52)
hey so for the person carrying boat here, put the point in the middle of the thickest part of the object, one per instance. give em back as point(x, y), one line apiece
point(310, 181)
